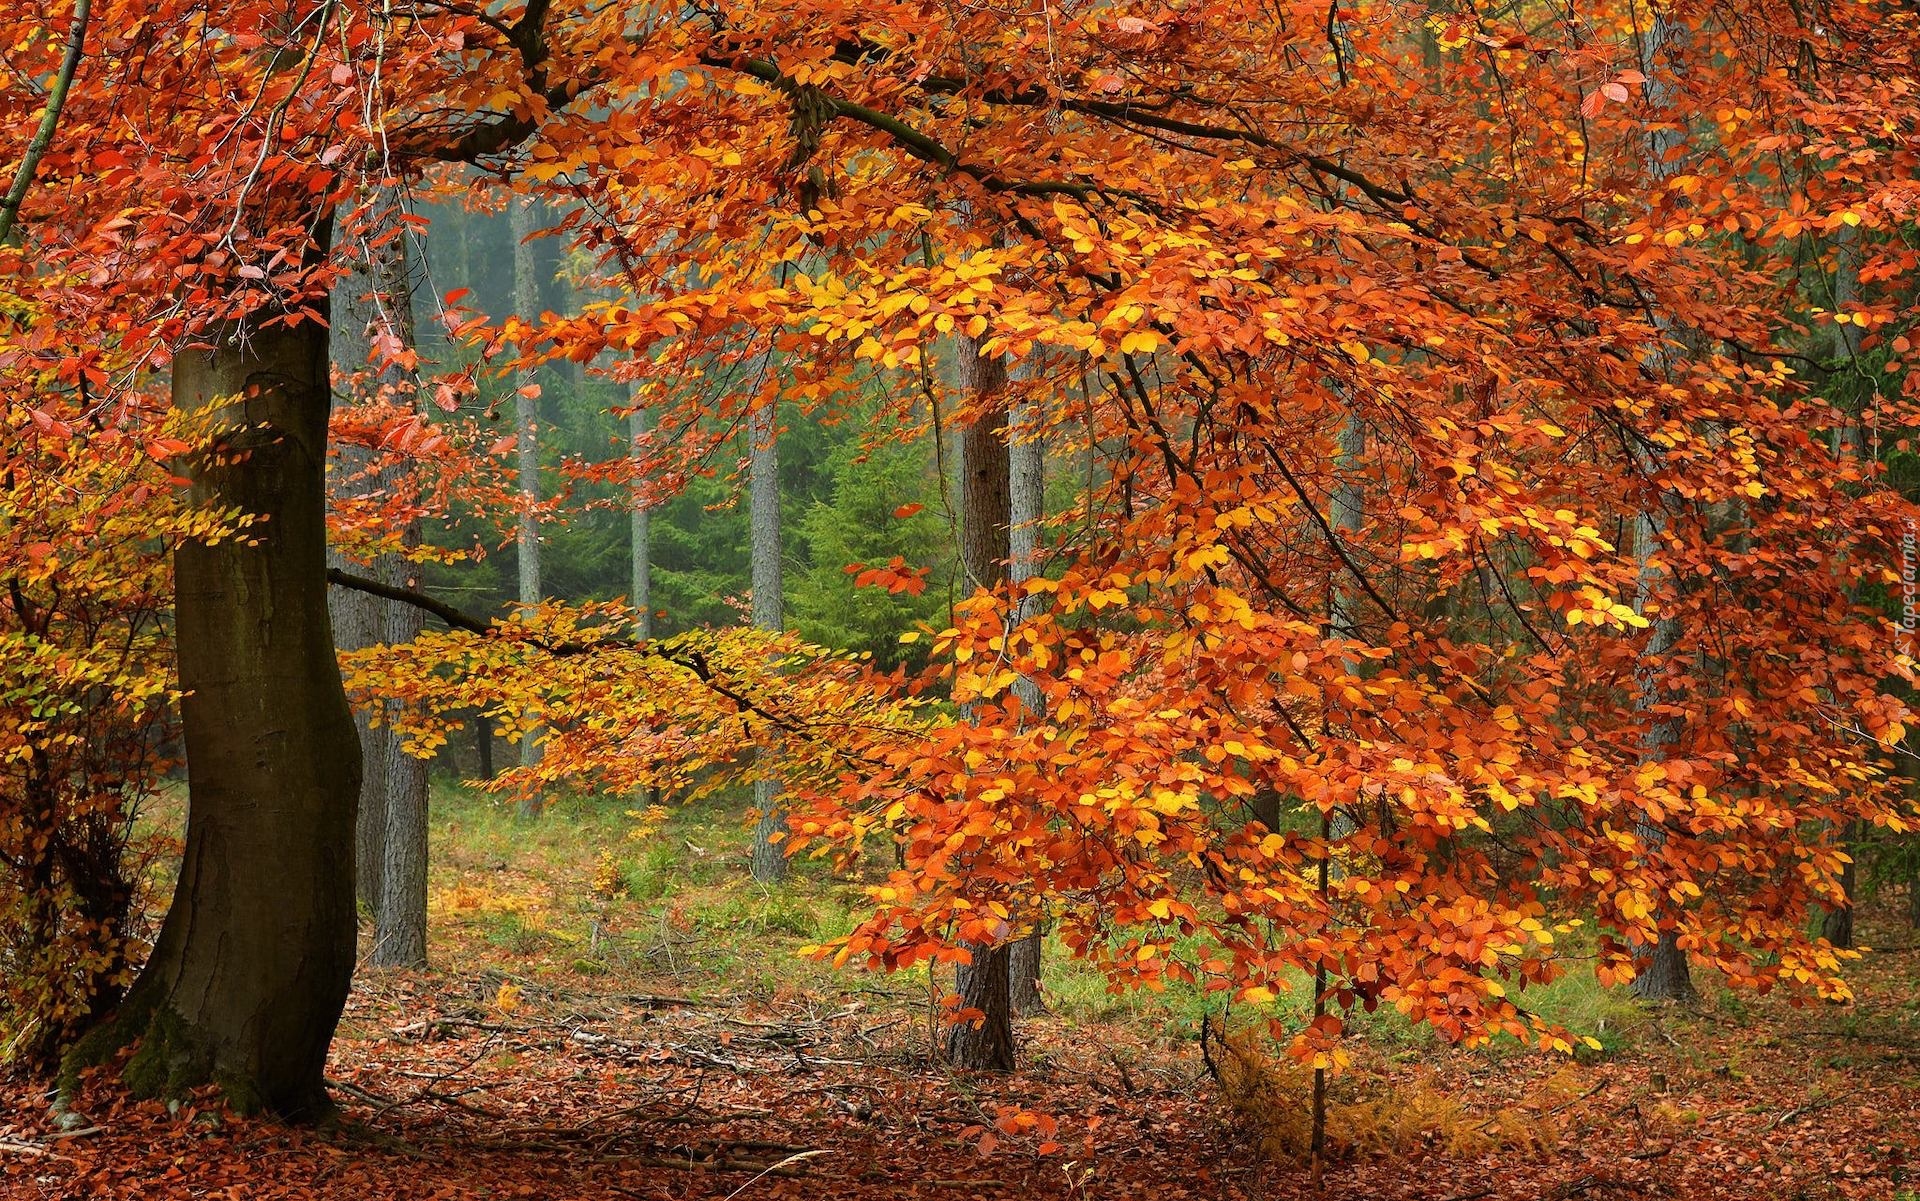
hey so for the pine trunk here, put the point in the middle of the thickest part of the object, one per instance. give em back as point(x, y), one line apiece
point(248, 978)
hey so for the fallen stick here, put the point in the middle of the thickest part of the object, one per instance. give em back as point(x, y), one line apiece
point(35, 1149)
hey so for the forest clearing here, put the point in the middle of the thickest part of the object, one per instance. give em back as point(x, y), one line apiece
point(1081, 598)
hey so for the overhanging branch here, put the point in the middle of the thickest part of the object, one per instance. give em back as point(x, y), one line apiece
point(690, 661)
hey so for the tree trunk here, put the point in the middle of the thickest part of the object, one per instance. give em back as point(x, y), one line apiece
point(373, 304)
point(986, 503)
point(526, 411)
point(639, 425)
point(358, 619)
point(642, 532)
point(250, 972)
point(483, 744)
point(357, 624)
point(400, 924)
point(1913, 897)
point(1026, 497)
point(985, 1044)
point(769, 853)
point(1837, 926)
point(1666, 976)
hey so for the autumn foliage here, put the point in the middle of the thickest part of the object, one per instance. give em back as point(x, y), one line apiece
point(1471, 541)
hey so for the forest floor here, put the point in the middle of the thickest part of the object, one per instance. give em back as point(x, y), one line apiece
point(608, 1019)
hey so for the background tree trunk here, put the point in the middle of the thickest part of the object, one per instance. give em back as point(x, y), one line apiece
point(639, 425)
point(373, 302)
point(359, 619)
point(1666, 976)
point(1026, 498)
point(1837, 924)
point(986, 503)
point(769, 855)
point(357, 624)
point(400, 923)
point(526, 415)
point(251, 969)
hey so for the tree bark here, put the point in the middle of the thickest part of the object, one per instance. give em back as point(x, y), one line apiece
point(483, 744)
point(400, 925)
point(985, 1044)
point(359, 620)
point(986, 504)
point(1837, 926)
point(248, 978)
point(357, 624)
point(373, 303)
point(1026, 497)
point(526, 411)
point(769, 853)
point(642, 530)
point(1666, 976)
point(639, 425)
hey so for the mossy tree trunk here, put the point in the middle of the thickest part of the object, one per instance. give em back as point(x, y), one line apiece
point(248, 978)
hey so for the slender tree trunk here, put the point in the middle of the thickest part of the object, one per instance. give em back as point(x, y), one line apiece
point(358, 624)
point(1345, 515)
point(986, 502)
point(373, 304)
point(400, 925)
point(247, 980)
point(358, 619)
point(1026, 456)
point(1666, 976)
point(1837, 924)
point(769, 853)
point(483, 744)
point(526, 412)
point(642, 532)
point(639, 426)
